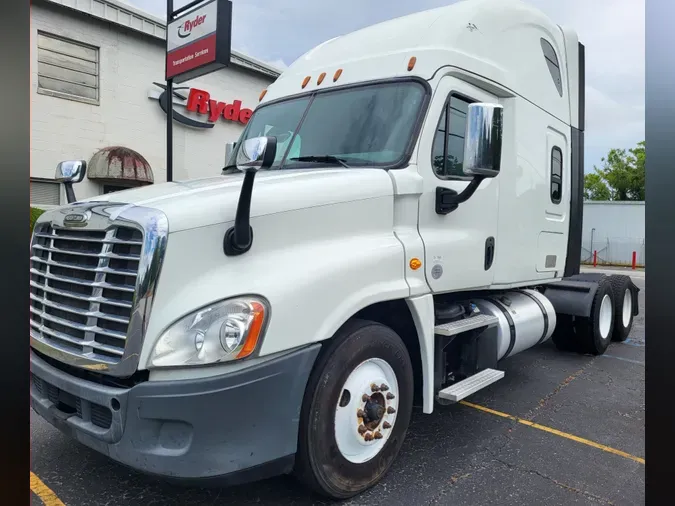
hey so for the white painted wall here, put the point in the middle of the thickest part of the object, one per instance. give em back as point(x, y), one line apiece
point(129, 63)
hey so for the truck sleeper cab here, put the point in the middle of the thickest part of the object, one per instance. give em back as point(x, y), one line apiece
point(402, 212)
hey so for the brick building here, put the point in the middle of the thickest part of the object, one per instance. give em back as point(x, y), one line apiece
point(97, 71)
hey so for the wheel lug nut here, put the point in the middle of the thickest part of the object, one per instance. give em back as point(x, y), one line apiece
point(391, 410)
point(365, 397)
point(378, 435)
point(390, 396)
point(360, 413)
point(362, 429)
point(374, 388)
point(384, 387)
point(386, 425)
point(368, 436)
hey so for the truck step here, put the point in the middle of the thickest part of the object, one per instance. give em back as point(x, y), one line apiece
point(470, 385)
point(459, 326)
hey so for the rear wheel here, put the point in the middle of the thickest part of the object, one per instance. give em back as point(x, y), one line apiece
point(356, 410)
point(623, 307)
point(593, 334)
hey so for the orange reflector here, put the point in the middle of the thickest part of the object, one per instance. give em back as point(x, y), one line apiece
point(411, 63)
point(337, 75)
point(306, 81)
point(415, 264)
point(321, 78)
point(254, 331)
point(262, 94)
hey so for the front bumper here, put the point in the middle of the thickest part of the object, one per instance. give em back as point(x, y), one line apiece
point(230, 428)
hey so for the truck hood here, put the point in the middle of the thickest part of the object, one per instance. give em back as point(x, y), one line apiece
point(210, 201)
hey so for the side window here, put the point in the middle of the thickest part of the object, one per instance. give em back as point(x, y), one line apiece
point(448, 147)
point(553, 65)
point(556, 175)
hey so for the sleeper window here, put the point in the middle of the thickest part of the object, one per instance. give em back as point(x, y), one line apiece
point(556, 175)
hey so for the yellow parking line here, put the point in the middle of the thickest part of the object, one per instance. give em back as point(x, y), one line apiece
point(556, 432)
point(46, 495)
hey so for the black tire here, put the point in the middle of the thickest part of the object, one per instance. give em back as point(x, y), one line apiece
point(589, 335)
point(319, 463)
point(622, 286)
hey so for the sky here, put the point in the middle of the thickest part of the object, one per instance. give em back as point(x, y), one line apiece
point(613, 32)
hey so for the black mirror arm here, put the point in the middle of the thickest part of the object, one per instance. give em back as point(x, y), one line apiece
point(239, 238)
point(447, 200)
point(70, 193)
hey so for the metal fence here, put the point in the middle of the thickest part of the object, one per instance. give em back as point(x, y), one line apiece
point(613, 231)
point(613, 251)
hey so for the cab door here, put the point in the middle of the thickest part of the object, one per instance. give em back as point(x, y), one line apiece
point(461, 245)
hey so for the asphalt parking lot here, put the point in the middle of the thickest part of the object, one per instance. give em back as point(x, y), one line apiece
point(559, 429)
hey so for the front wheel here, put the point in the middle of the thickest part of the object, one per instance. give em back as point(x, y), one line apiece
point(356, 410)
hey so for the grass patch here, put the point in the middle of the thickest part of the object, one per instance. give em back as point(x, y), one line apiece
point(34, 215)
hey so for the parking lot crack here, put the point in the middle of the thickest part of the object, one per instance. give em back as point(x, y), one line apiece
point(547, 398)
point(564, 486)
point(478, 463)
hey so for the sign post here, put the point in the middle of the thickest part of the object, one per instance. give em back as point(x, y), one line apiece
point(198, 42)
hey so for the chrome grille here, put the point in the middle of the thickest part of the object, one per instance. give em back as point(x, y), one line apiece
point(82, 289)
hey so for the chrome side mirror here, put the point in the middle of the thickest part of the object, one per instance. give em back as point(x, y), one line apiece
point(483, 140)
point(256, 153)
point(71, 171)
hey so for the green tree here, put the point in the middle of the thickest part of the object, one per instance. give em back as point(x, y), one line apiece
point(621, 177)
point(595, 188)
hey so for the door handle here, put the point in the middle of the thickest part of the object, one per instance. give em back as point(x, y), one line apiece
point(489, 252)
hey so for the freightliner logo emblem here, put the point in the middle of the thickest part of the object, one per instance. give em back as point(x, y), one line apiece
point(75, 220)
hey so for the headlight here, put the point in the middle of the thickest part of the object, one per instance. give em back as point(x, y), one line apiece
point(225, 331)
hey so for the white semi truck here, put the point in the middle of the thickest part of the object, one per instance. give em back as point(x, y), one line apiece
point(402, 213)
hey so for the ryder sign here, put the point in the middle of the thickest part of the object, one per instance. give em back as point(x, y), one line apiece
point(199, 41)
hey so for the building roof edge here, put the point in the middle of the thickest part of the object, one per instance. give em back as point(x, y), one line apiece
point(126, 15)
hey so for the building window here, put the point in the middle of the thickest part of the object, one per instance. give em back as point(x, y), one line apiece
point(448, 148)
point(553, 65)
point(45, 193)
point(67, 69)
point(556, 175)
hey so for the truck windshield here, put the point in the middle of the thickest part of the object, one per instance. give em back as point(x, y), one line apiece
point(371, 125)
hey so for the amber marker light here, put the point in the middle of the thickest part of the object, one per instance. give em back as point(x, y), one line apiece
point(254, 330)
point(411, 63)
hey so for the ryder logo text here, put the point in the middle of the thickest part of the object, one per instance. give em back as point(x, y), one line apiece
point(185, 30)
point(200, 101)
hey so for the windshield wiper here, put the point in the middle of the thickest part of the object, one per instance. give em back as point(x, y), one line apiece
point(322, 159)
